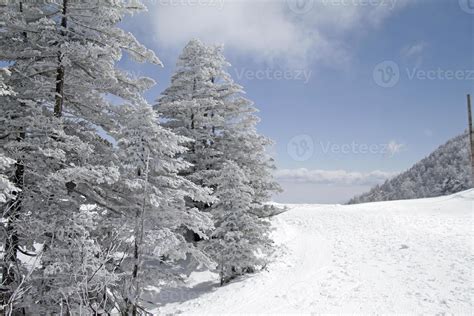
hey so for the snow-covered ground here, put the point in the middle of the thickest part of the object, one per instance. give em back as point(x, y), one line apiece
point(390, 257)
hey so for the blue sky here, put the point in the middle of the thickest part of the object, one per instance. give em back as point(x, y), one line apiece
point(351, 91)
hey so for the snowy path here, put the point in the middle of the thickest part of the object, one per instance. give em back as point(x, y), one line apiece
point(393, 257)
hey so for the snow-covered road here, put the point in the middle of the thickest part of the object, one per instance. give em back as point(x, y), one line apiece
point(391, 257)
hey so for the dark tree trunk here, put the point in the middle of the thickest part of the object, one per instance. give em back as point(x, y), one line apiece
point(132, 306)
point(10, 259)
point(59, 97)
point(136, 258)
point(10, 256)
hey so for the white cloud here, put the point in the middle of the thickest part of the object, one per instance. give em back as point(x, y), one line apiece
point(332, 177)
point(270, 30)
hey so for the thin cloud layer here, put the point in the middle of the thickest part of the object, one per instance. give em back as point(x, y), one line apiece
point(271, 31)
point(332, 177)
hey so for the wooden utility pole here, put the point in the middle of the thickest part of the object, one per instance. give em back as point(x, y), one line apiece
point(471, 136)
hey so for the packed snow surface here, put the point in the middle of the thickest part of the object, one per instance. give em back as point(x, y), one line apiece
point(390, 257)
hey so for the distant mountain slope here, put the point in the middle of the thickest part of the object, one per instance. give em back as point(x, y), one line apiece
point(445, 171)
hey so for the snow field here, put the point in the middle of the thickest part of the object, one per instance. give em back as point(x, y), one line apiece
point(388, 257)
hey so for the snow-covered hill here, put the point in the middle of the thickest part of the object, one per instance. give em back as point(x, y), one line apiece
point(445, 171)
point(387, 257)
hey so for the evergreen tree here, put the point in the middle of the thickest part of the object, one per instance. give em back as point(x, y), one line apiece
point(63, 55)
point(191, 107)
point(204, 104)
point(156, 210)
point(235, 244)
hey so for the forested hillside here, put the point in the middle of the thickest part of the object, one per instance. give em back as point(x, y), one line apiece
point(445, 171)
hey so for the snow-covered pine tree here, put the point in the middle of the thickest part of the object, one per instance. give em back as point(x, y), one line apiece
point(191, 108)
point(204, 104)
point(157, 211)
point(7, 188)
point(240, 142)
point(232, 244)
point(63, 55)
